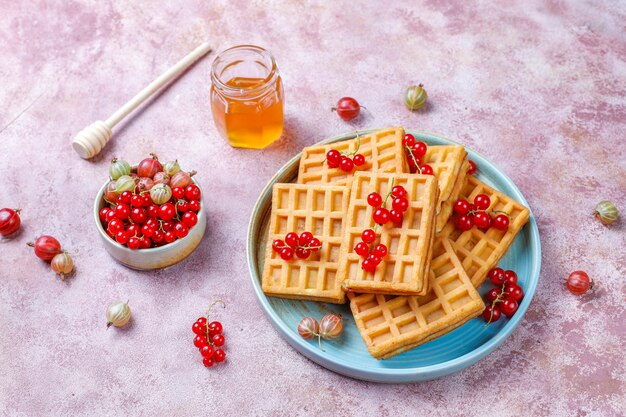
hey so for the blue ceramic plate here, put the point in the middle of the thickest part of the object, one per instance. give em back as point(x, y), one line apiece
point(443, 356)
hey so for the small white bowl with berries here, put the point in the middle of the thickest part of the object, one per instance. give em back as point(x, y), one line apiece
point(150, 215)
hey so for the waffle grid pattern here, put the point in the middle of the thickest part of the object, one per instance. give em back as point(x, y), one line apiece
point(402, 271)
point(299, 208)
point(481, 250)
point(446, 162)
point(391, 325)
point(382, 150)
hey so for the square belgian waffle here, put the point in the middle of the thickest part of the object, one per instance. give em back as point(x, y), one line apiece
point(391, 325)
point(382, 150)
point(321, 211)
point(481, 250)
point(448, 205)
point(404, 269)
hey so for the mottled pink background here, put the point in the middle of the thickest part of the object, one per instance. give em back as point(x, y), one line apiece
point(536, 86)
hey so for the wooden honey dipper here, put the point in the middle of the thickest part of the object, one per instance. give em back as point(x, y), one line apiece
point(90, 141)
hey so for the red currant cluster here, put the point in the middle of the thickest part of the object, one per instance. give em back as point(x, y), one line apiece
point(477, 214)
point(399, 205)
point(415, 151)
point(209, 339)
point(301, 245)
point(345, 161)
point(373, 255)
point(504, 300)
point(137, 222)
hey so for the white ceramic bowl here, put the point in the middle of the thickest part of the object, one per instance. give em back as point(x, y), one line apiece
point(153, 258)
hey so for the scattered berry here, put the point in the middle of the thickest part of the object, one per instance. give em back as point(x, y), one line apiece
point(510, 277)
point(496, 276)
point(491, 313)
point(301, 246)
point(509, 306)
point(209, 339)
point(374, 200)
point(358, 160)
point(501, 222)
point(579, 283)
point(472, 169)
point(347, 108)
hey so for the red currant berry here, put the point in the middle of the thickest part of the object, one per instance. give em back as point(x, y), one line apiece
point(303, 253)
point(115, 225)
point(137, 200)
point(482, 220)
point(362, 249)
point(218, 340)
point(315, 244)
point(375, 259)
point(146, 242)
point(153, 211)
point(419, 149)
point(190, 219)
point(374, 200)
point(493, 294)
point(358, 159)
point(398, 191)
point(134, 230)
point(199, 341)
point(465, 222)
point(169, 237)
point(346, 164)
point(207, 351)
point(501, 222)
point(400, 204)
point(305, 238)
point(167, 211)
point(472, 169)
point(496, 276)
point(368, 236)
point(396, 216)
point(111, 215)
point(381, 216)
point(125, 197)
point(194, 206)
point(138, 215)
point(426, 169)
point(482, 201)
point(198, 328)
point(333, 157)
point(202, 321)
point(412, 165)
point(167, 226)
point(178, 192)
point(215, 327)
point(292, 239)
point(461, 207)
point(491, 313)
point(122, 211)
point(510, 277)
point(380, 250)
point(408, 140)
point(122, 237)
point(103, 213)
point(368, 265)
point(158, 236)
point(192, 192)
point(134, 243)
point(208, 361)
point(182, 206)
point(181, 230)
point(514, 291)
point(286, 253)
point(509, 306)
point(219, 355)
point(277, 245)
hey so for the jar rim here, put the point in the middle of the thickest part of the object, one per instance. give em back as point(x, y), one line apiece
point(264, 53)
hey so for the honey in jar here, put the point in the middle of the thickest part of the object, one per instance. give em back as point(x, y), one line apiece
point(247, 96)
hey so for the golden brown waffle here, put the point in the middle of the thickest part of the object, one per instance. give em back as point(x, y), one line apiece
point(404, 269)
point(481, 250)
point(448, 205)
point(321, 211)
point(391, 325)
point(382, 150)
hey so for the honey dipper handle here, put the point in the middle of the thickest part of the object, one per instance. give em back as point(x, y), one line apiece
point(167, 76)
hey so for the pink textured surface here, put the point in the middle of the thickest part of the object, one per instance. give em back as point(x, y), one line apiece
point(538, 88)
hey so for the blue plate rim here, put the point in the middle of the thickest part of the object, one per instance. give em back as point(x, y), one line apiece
point(410, 374)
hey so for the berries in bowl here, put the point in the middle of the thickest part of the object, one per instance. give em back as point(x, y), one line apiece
point(151, 215)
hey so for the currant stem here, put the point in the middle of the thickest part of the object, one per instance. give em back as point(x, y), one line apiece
point(419, 170)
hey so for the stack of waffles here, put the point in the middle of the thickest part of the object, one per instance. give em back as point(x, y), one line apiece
point(426, 284)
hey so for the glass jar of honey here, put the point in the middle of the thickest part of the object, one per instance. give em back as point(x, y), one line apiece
point(247, 96)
